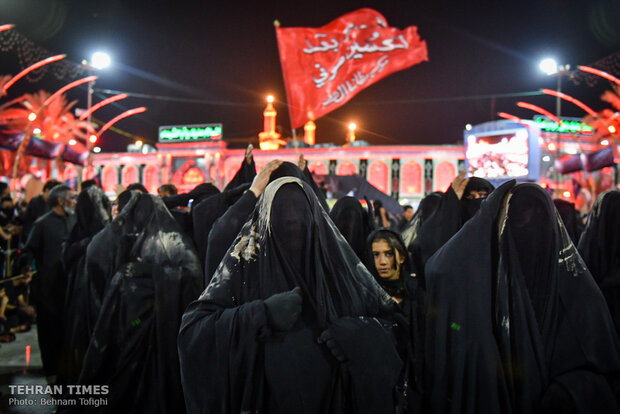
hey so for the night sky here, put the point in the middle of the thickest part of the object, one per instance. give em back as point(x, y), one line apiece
point(218, 61)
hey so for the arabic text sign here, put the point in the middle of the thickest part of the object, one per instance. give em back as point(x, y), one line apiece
point(325, 67)
point(572, 126)
point(186, 133)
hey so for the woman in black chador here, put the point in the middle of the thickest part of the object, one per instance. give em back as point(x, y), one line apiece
point(93, 212)
point(289, 322)
point(600, 248)
point(133, 348)
point(515, 321)
point(447, 215)
point(354, 222)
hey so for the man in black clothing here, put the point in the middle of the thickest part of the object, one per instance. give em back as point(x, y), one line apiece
point(48, 286)
point(37, 207)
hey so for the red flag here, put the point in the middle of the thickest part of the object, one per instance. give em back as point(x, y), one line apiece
point(325, 67)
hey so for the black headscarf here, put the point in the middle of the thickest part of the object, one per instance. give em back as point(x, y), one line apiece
point(353, 222)
point(600, 248)
point(207, 211)
point(288, 241)
point(515, 320)
point(570, 218)
point(288, 169)
point(426, 207)
point(448, 216)
point(471, 206)
point(392, 287)
point(92, 211)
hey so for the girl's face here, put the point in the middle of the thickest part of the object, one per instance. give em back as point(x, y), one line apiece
point(387, 260)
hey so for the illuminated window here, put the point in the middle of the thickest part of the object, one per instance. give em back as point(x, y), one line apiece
point(378, 175)
point(151, 178)
point(317, 167)
point(411, 178)
point(346, 168)
point(109, 179)
point(444, 175)
point(188, 176)
point(130, 175)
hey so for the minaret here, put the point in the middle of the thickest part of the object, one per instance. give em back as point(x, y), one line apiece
point(310, 133)
point(269, 139)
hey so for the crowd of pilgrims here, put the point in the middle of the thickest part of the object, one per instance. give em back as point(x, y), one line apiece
point(260, 299)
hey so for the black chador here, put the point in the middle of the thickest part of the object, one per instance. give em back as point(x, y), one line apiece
point(353, 221)
point(93, 212)
point(133, 348)
point(600, 248)
point(288, 303)
point(515, 321)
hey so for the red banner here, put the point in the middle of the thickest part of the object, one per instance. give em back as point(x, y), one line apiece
point(325, 67)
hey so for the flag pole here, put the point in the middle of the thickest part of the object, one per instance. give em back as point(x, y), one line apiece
point(276, 25)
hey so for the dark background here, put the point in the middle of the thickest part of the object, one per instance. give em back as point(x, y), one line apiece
point(219, 60)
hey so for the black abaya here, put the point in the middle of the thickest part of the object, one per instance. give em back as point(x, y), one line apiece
point(515, 321)
point(93, 212)
point(232, 361)
point(133, 348)
point(353, 222)
point(600, 248)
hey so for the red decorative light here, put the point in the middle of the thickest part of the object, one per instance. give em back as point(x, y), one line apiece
point(513, 118)
point(30, 69)
point(599, 73)
point(125, 114)
point(569, 98)
point(67, 87)
point(540, 111)
point(102, 104)
point(93, 138)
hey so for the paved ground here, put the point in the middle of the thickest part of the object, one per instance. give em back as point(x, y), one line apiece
point(14, 371)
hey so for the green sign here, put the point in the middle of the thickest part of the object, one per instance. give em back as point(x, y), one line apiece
point(190, 133)
point(568, 126)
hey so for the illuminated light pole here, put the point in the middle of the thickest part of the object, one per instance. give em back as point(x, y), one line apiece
point(550, 67)
point(33, 116)
point(99, 60)
point(30, 69)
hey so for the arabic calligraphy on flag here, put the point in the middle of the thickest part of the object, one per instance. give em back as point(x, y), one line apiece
point(325, 67)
